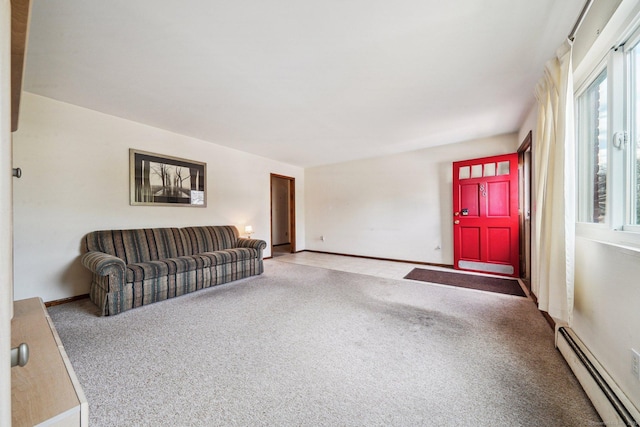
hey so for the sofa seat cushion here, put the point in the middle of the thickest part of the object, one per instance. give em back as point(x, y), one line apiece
point(185, 263)
point(229, 255)
point(140, 271)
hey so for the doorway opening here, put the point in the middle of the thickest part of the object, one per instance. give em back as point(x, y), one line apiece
point(283, 215)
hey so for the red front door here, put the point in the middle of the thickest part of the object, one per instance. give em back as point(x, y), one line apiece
point(485, 215)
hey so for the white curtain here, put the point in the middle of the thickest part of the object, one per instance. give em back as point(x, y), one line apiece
point(554, 181)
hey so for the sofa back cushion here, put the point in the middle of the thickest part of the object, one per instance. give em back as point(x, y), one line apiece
point(139, 245)
point(211, 238)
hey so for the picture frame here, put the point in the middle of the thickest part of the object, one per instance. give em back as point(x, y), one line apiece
point(160, 180)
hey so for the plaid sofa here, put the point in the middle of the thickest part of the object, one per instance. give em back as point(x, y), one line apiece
point(142, 266)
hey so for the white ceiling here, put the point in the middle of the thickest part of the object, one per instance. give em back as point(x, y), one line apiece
point(302, 82)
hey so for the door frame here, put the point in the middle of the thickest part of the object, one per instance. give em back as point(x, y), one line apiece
point(292, 209)
point(525, 185)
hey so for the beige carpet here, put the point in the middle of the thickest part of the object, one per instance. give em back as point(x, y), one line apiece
point(308, 346)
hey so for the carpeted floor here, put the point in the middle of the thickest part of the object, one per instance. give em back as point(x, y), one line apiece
point(308, 346)
point(469, 281)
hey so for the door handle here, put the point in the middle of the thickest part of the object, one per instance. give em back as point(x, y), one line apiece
point(457, 221)
point(20, 355)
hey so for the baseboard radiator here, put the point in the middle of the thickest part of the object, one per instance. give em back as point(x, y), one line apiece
point(612, 405)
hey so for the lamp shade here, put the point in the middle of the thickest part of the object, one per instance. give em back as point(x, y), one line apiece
point(248, 229)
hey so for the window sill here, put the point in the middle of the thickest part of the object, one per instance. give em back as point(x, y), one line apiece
point(624, 240)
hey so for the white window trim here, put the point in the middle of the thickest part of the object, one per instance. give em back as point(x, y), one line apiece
point(632, 43)
point(603, 234)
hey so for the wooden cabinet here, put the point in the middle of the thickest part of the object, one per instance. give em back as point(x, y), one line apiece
point(44, 391)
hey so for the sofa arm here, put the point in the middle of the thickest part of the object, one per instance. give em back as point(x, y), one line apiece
point(104, 265)
point(252, 243)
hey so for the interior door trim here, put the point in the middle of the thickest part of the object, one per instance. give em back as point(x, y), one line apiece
point(292, 209)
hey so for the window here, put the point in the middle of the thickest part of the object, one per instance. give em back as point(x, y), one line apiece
point(634, 131)
point(592, 137)
point(608, 142)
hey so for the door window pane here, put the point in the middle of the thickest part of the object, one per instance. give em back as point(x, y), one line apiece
point(489, 169)
point(464, 172)
point(503, 168)
point(476, 171)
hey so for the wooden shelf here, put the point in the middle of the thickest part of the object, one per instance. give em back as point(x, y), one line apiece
point(46, 389)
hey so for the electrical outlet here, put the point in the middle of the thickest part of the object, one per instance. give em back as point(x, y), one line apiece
point(635, 364)
point(322, 238)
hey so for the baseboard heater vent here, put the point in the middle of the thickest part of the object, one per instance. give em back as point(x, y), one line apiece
point(612, 405)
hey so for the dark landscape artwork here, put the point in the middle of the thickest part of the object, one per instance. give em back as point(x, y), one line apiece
point(166, 181)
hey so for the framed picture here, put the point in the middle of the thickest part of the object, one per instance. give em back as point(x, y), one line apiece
point(158, 180)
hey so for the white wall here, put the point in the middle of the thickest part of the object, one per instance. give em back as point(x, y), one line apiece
point(397, 206)
point(529, 124)
point(75, 165)
point(606, 312)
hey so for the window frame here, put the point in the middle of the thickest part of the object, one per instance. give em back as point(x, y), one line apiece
point(632, 128)
point(618, 228)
